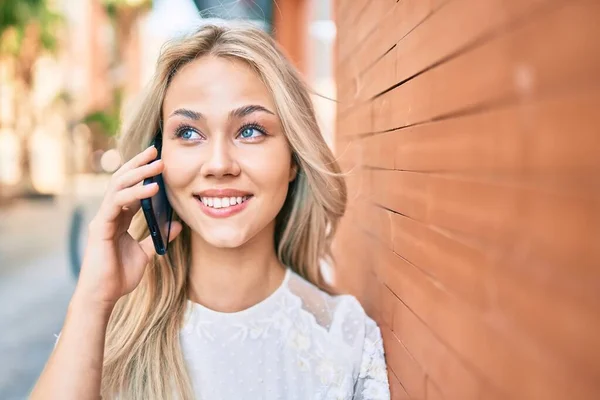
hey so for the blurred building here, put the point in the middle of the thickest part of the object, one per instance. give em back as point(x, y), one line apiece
point(68, 84)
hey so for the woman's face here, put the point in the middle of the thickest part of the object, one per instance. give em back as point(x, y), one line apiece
point(227, 160)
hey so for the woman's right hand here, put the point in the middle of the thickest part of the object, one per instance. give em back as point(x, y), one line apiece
point(114, 262)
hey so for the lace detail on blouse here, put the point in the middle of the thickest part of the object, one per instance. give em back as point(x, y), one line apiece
point(299, 343)
point(372, 381)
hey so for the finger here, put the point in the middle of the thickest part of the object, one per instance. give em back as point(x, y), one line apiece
point(129, 212)
point(148, 246)
point(132, 208)
point(176, 229)
point(127, 198)
point(138, 160)
point(137, 175)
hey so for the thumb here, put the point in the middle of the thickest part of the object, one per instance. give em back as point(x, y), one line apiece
point(148, 246)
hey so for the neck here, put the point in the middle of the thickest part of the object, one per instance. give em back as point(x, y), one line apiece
point(234, 279)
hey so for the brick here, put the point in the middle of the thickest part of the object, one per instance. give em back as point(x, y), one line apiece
point(388, 302)
point(520, 139)
point(346, 23)
point(369, 20)
point(508, 300)
point(356, 122)
point(463, 270)
point(405, 16)
point(378, 221)
point(525, 139)
point(409, 373)
point(357, 82)
point(396, 389)
point(433, 393)
point(553, 226)
point(380, 150)
point(458, 25)
point(371, 288)
point(379, 77)
point(487, 155)
point(455, 380)
point(524, 63)
point(363, 37)
point(508, 364)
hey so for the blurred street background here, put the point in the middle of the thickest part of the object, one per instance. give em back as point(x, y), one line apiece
point(35, 286)
point(69, 70)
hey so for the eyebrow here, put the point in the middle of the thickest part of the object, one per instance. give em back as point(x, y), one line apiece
point(239, 112)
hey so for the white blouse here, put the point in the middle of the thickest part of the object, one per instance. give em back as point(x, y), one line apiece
point(299, 343)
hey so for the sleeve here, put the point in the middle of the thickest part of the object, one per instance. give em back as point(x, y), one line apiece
point(372, 383)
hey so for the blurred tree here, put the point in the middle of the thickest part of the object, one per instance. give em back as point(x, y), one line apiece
point(107, 120)
point(27, 30)
point(124, 15)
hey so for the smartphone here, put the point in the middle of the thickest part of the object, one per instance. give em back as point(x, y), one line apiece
point(157, 210)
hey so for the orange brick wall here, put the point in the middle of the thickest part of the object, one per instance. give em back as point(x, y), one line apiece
point(470, 130)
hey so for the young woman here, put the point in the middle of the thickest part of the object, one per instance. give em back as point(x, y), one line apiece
point(237, 309)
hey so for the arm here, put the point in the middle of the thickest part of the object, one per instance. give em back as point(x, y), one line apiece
point(113, 266)
point(75, 367)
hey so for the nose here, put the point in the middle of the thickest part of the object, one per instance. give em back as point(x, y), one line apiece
point(220, 160)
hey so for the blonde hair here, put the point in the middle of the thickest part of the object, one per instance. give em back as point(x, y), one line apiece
point(143, 358)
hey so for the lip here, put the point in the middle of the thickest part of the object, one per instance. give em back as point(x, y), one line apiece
point(222, 193)
point(226, 211)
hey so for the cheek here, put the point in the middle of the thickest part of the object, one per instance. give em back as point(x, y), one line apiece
point(180, 169)
point(270, 171)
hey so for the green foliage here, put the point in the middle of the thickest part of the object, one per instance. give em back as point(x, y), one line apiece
point(107, 121)
point(112, 6)
point(17, 15)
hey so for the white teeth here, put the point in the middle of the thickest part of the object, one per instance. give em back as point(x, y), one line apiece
point(222, 202)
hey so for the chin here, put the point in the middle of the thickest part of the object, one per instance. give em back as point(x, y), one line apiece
point(225, 237)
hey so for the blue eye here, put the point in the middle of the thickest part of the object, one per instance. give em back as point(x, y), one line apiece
point(187, 133)
point(251, 132)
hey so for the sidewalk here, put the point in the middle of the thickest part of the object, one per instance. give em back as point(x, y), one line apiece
point(35, 287)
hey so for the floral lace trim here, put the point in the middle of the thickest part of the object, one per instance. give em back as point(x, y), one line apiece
point(294, 324)
point(373, 371)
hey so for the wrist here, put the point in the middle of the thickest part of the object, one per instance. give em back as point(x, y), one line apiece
point(89, 304)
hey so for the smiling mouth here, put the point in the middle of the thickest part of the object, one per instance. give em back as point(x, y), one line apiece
point(222, 202)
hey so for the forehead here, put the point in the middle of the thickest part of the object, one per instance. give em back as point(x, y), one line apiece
point(211, 83)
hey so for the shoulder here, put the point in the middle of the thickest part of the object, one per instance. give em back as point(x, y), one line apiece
point(341, 315)
point(349, 333)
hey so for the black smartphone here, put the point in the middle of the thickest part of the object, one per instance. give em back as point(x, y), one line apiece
point(157, 210)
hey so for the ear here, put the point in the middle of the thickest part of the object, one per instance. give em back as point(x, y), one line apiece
point(293, 170)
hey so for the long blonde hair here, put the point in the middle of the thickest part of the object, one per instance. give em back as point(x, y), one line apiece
point(143, 358)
